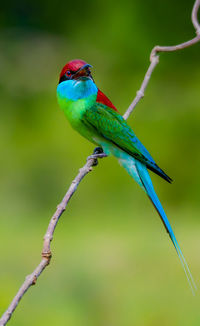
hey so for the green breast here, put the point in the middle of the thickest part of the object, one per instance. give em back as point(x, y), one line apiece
point(74, 110)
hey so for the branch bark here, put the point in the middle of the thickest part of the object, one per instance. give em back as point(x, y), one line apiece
point(92, 161)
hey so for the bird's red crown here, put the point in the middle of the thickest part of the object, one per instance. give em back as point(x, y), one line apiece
point(73, 66)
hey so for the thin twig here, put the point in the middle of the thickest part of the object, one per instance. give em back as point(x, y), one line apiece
point(140, 92)
point(92, 161)
point(46, 252)
point(194, 17)
point(154, 58)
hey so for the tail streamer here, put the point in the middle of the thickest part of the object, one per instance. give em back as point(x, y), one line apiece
point(147, 183)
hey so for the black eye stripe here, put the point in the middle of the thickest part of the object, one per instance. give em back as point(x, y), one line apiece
point(63, 78)
point(68, 75)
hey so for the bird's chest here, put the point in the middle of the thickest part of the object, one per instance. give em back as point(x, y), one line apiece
point(75, 98)
point(74, 110)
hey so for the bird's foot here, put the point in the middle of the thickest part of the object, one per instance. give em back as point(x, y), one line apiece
point(98, 153)
point(98, 150)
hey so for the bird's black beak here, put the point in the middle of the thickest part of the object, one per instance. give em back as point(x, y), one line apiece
point(84, 71)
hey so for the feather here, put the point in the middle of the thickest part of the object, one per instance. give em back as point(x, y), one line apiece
point(110, 125)
point(103, 99)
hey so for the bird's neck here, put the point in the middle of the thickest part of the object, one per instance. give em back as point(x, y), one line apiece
point(76, 89)
point(75, 97)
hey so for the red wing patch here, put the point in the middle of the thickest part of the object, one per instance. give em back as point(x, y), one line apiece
point(102, 98)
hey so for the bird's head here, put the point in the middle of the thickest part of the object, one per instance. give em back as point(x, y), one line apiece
point(76, 70)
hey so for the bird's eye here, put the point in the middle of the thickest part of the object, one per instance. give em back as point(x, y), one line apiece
point(68, 73)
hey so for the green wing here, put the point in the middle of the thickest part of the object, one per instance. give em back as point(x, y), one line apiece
point(112, 126)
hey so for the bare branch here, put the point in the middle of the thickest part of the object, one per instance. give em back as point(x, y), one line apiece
point(140, 93)
point(154, 58)
point(194, 16)
point(92, 161)
point(46, 252)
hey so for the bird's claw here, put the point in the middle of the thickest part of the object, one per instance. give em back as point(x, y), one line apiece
point(95, 162)
point(98, 150)
point(98, 153)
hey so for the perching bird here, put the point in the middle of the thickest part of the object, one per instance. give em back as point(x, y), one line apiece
point(93, 115)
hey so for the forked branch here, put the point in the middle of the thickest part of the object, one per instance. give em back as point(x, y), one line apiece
point(92, 161)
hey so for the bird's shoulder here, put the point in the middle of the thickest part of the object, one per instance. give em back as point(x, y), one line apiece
point(103, 99)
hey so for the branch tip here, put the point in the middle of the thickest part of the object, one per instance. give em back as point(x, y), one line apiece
point(194, 16)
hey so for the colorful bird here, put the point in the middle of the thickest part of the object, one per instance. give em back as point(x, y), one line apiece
point(93, 115)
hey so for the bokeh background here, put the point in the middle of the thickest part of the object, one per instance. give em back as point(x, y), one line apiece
point(113, 263)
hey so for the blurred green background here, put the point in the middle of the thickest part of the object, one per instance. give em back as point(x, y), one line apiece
point(113, 263)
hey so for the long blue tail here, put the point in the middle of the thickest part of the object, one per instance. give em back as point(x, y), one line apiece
point(147, 183)
point(139, 172)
